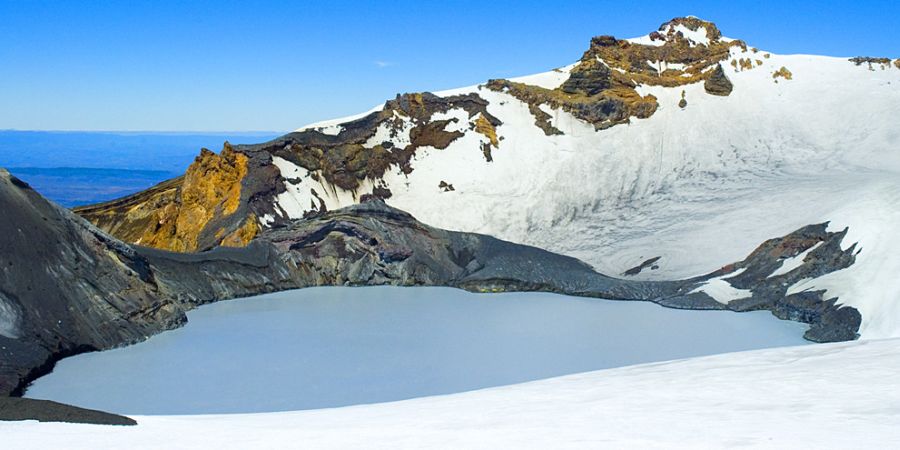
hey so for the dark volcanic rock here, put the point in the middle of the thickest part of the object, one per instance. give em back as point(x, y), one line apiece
point(829, 321)
point(718, 83)
point(12, 408)
point(860, 60)
point(640, 268)
point(66, 287)
point(588, 79)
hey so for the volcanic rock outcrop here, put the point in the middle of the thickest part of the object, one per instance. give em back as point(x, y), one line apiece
point(718, 83)
point(66, 287)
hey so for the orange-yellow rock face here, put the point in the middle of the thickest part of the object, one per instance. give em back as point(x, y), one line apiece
point(243, 235)
point(484, 126)
point(172, 215)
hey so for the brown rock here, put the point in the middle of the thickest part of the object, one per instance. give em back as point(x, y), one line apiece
point(783, 72)
point(718, 83)
point(589, 78)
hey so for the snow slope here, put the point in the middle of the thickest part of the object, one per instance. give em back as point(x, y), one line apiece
point(842, 395)
point(699, 186)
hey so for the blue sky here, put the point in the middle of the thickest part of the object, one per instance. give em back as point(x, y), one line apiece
point(227, 65)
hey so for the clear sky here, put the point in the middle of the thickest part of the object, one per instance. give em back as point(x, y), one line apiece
point(224, 65)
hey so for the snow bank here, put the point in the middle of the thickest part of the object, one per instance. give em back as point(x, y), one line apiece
point(823, 396)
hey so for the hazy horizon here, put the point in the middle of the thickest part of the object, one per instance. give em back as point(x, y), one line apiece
point(173, 132)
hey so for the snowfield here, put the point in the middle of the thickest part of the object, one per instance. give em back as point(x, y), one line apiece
point(844, 395)
point(700, 187)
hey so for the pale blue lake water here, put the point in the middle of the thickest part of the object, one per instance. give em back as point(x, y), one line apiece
point(337, 346)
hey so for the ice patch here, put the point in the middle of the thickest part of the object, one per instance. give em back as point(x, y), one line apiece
point(458, 117)
point(792, 263)
point(695, 37)
point(386, 132)
point(662, 66)
point(287, 168)
point(267, 219)
point(332, 130)
point(297, 198)
point(645, 40)
point(721, 290)
point(9, 319)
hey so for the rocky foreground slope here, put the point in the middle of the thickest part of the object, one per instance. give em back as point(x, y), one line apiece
point(67, 287)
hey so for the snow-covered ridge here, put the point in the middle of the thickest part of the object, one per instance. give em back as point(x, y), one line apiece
point(333, 126)
point(768, 398)
point(547, 80)
point(700, 185)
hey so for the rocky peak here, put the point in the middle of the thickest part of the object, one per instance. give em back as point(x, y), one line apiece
point(601, 88)
point(685, 50)
point(692, 29)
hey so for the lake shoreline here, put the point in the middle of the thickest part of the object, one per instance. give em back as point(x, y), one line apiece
point(376, 344)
